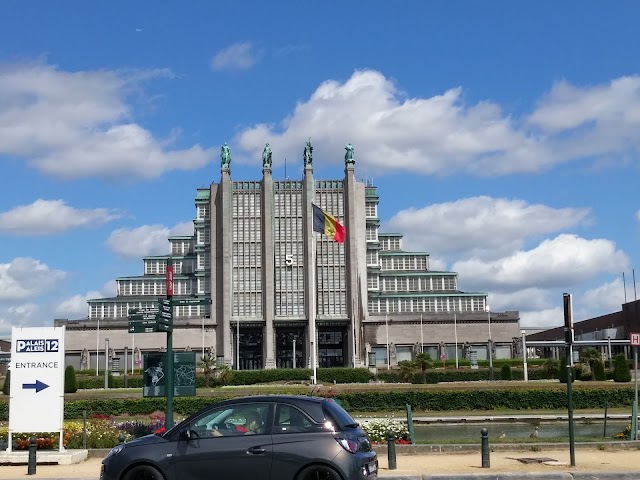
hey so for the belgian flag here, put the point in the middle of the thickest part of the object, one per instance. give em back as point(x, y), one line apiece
point(327, 224)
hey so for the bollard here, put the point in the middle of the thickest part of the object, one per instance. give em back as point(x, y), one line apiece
point(391, 451)
point(31, 467)
point(486, 463)
point(84, 429)
point(121, 438)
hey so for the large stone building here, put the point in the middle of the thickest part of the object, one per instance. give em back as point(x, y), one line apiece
point(255, 256)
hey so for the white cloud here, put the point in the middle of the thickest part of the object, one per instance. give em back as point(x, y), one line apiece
point(443, 134)
point(480, 226)
point(239, 56)
point(561, 262)
point(22, 315)
point(638, 215)
point(46, 217)
point(25, 278)
point(146, 239)
point(548, 318)
point(75, 306)
point(607, 297)
point(78, 124)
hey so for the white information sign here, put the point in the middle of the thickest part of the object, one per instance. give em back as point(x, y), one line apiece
point(36, 403)
point(635, 339)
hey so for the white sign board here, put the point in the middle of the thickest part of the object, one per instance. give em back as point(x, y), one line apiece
point(635, 339)
point(37, 379)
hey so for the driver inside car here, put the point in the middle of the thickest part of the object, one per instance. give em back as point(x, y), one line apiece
point(252, 425)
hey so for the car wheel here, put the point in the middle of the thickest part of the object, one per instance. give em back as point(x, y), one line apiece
point(143, 472)
point(318, 472)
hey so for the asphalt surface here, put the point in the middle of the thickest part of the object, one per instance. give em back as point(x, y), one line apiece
point(545, 464)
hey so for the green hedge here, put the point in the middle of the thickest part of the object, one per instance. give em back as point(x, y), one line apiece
point(462, 375)
point(469, 400)
point(435, 400)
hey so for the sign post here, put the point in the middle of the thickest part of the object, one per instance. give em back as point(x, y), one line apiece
point(168, 420)
point(635, 342)
point(37, 380)
point(568, 338)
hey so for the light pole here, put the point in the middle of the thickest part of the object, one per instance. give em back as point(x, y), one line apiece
point(421, 336)
point(490, 345)
point(294, 353)
point(386, 324)
point(455, 334)
point(98, 347)
point(106, 363)
point(238, 345)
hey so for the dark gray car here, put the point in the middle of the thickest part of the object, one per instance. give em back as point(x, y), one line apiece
point(273, 437)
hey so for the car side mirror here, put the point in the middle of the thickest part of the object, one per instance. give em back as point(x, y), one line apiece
point(185, 433)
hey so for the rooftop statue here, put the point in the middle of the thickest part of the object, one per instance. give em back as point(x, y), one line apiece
point(225, 155)
point(308, 154)
point(348, 156)
point(266, 156)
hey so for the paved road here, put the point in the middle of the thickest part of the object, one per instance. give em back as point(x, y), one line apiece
point(591, 464)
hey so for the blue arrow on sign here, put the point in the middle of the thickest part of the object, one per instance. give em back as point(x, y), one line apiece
point(38, 386)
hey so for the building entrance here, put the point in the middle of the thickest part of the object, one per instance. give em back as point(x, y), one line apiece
point(332, 346)
point(250, 349)
point(288, 340)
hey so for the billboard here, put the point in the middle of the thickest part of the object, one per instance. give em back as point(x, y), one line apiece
point(37, 366)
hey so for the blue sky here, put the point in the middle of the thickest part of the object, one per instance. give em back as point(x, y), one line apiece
point(503, 136)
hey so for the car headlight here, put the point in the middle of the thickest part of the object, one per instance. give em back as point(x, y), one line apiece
point(115, 450)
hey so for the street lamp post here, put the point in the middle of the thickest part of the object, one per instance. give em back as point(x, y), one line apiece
point(490, 345)
point(386, 324)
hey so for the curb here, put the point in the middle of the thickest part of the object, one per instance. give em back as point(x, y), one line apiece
point(518, 476)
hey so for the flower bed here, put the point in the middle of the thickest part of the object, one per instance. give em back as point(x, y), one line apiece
point(377, 430)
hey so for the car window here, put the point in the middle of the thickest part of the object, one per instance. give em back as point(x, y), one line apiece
point(335, 413)
point(231, 420)
point(289, 419)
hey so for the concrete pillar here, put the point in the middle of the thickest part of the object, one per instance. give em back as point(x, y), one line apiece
point(268, 259)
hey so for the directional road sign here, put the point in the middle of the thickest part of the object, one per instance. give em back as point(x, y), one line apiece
point(192, 301)
point(142, 328)
point(37, 379)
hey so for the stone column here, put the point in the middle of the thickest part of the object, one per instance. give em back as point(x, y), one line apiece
point(268, 259)
point(225, 214)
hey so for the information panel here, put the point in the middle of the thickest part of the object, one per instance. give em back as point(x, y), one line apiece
point(36, 403)
point(184, 374)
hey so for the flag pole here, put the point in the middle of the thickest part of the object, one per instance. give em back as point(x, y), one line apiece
point(421, 336)
point(455, 333)
point(312, 320)
point(386, 324)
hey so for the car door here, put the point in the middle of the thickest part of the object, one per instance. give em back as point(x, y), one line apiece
point(222, 447)
point(298, 441)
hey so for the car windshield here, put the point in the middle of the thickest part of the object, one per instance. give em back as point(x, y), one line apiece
point(335, 411)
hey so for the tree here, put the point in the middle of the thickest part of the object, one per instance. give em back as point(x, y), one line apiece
point(7, 383)
point(208, 364)
point(621, 372)
point(70, 381)
point(590, 356)
point(407, 370)
point(423, 362)
point(599, 374)
point(551, 368)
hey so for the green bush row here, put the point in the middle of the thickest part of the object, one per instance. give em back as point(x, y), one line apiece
point(469, 400)
point(436, 400)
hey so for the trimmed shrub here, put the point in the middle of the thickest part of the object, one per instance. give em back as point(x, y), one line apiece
point(70, 382)
point(505, 372)
point(598, 371)
point(621, 372)
point(7, 383)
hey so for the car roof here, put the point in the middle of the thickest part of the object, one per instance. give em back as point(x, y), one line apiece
point(311, 405)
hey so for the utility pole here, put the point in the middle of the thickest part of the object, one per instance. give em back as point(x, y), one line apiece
point(168, 421)
point(568, 339)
